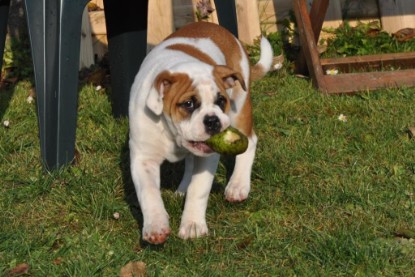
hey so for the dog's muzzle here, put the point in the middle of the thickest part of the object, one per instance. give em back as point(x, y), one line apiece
point(212, 124)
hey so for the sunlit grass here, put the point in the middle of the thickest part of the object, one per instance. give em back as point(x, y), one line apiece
point(327, 196)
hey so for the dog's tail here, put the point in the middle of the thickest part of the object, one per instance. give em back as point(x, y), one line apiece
point(265, 61)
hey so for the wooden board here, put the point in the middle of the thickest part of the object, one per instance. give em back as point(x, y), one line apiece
point(248, 20)
point(397, 14)
point(99, 3)
point(160, 21)
point(354, 82)
point(86, 57)
point(370, 62)
point(97, 20)
point(183, 13)
point(100, 45)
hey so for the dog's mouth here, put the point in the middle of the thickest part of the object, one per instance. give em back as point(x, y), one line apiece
point(200, 147)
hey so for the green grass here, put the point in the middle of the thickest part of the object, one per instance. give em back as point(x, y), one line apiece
point(328, 197)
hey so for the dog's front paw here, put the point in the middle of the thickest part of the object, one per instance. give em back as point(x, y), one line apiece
point(236, 191)
point(157, 231)
point(191, 229)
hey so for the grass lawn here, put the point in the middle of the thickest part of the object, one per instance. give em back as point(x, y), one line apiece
point(329, 198)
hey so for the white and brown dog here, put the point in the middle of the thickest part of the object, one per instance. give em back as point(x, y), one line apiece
point(192, 85)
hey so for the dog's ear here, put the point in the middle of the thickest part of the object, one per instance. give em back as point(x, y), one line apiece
point(155, 98)
point(229, 76)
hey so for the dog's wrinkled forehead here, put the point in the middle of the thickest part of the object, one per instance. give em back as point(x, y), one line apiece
point(180, 91)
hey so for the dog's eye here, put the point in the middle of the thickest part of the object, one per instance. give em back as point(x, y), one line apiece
point(190, 105)
point(221, 102)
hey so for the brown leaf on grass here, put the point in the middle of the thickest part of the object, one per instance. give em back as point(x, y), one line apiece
point(20, 269)
point(245, 243)
point(97, 77)
point(77, 157)
point(405, 233)
point(57, 261)
point(405, 34)
point(133, 269)
point(411, 132)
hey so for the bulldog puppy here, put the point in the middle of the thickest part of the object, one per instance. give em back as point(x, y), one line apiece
point(191, 86)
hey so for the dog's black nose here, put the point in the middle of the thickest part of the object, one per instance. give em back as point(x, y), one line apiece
point(212, 124)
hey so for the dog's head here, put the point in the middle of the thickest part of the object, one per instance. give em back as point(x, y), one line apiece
point(195, 102)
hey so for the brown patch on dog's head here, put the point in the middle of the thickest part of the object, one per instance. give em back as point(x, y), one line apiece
point(226, 77)
point(176, 90)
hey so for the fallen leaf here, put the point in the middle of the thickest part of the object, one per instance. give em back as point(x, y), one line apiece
point(97, 77)
point(77, 157)
point(404, 34)
point(57, 261)
point(405, 233)
point(133, 269)
point(411, 132)
point(245, 243)
point(20, 269)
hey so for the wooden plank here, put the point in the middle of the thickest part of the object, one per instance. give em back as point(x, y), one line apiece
point(248, 20)
point(97, 20)
point(307, 38)
point(100, 46)
point(99, 3)
point(370, 62)
point(183, 14)
point(86, 57)
point(317, 14)
point(355, 82)
point(397, 14)
point(160, 21)
point(269, 14)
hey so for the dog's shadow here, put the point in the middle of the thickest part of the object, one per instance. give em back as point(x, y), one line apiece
point(171, 175)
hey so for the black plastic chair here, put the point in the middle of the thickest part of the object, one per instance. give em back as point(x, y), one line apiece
point(55, 32)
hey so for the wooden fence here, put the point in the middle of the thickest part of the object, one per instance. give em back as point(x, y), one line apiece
point(254, 16)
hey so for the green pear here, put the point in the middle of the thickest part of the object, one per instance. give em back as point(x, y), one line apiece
point(228, 142)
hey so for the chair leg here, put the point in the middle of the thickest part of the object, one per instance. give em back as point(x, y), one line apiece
point(55, 31)
point(226, 11)
point(127, 47)
point(4, 14)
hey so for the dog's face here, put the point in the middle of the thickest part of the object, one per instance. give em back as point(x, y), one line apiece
point(195, 103)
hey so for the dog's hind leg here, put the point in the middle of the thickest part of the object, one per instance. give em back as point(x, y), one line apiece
point(187, 176)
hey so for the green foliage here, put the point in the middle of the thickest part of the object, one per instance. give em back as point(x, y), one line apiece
point(17, 59)
point(275, 40)
point(364, 39)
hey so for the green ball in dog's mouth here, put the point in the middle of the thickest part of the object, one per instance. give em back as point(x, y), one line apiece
point(228, 142)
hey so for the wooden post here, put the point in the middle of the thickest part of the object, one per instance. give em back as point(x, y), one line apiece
point(160, 21)
point(248, 20)
point(99, 33)
point(86, 56)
